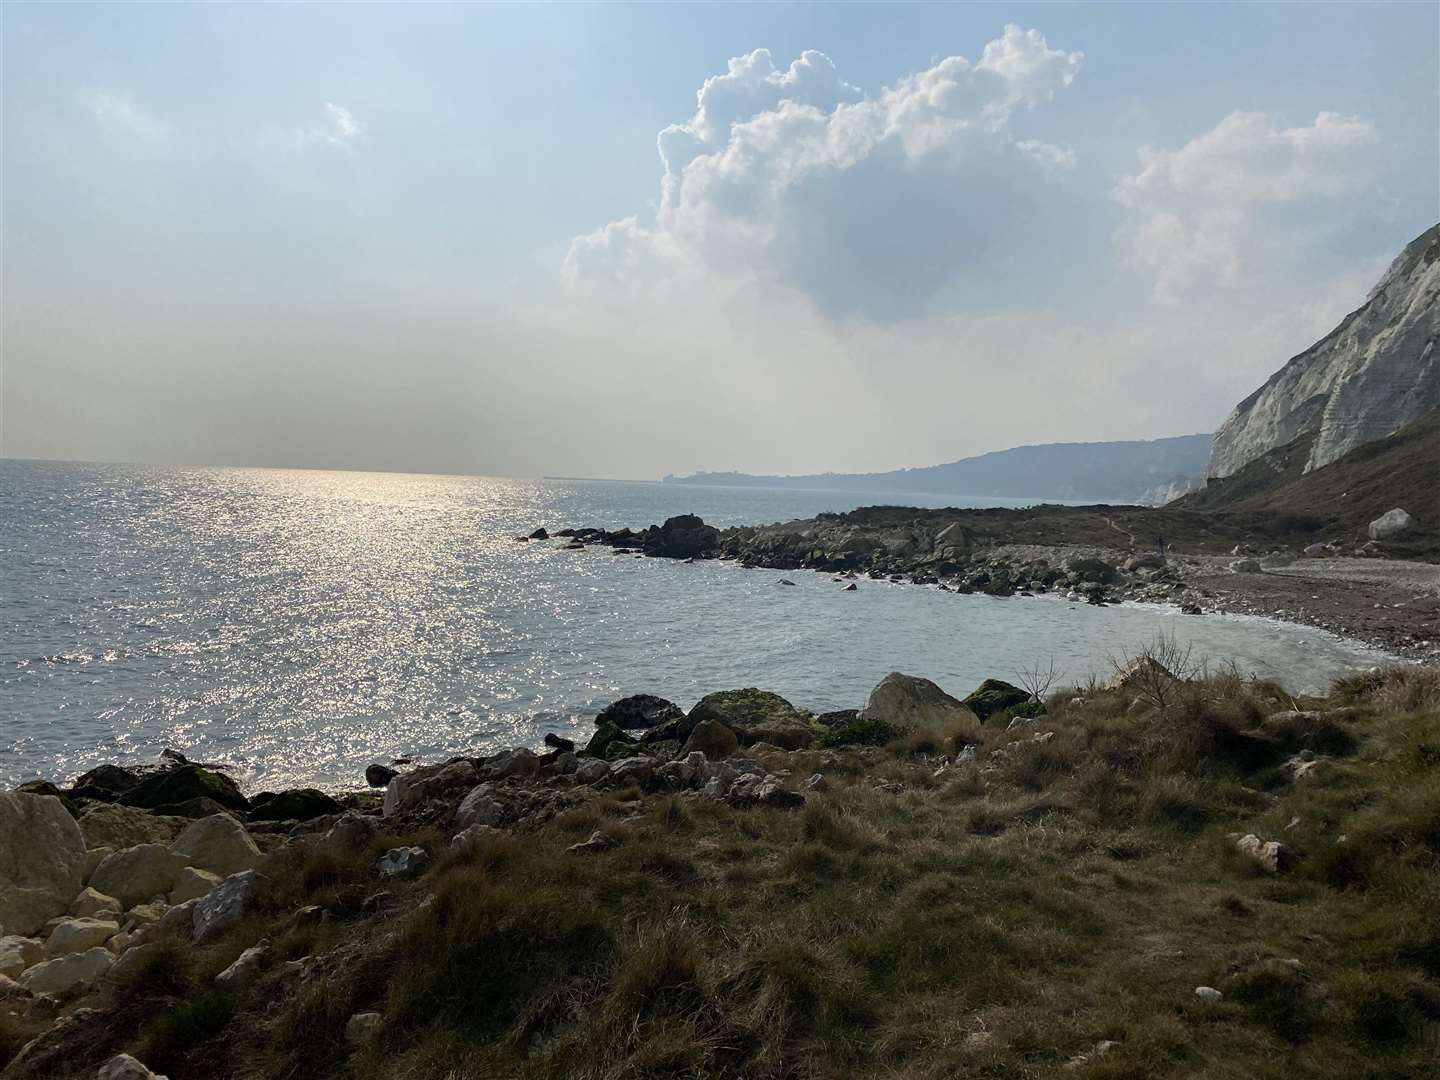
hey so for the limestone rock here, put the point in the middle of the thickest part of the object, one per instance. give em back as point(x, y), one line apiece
point(192, 883)
point(473, 834)
point(402, 862)
point(67, 972)
point(91, 903)
point(592, 771)
point(138, 873)
point(145, 914)
point(77, 935)
point(246, 968)
point(1208, 993)
point(362, 1027)
point(1370, 376)
point(1272, 855)
point(179, 919)
point(480, 807)
point(125, 1067)
point(124, 826)
point(18, 953)
point(224, 905)
point(1390, 524)
point(350, 833)
point(218, 844)
point(94, 857)
point(518, 762)
point(906, 702)
point(409, 790)
point(42, 859)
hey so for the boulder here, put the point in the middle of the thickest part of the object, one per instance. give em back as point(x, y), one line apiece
point(713, 739)
point(104, 782)
point(1140, 671)
point(352, 832)
point(473, 834)
point(906, 702)
point(183, 783)
point(592, 771)
point(218, 844)
point(246, 968)
point(637, 712)
point(125, 1067)
point(77, 935)
point(192, 883)
point(179, 919)
point(124, 826)
point(756, 716)
point(1390, 524)
point(66, 973)
point(402, 862)
point(137, 873)
point(1272, 855)
point(91, 903)
point(765, 791)
point(1144, 562)
point(224, 905)
point(42, 860)
point(362, 1027)
point(1088, 569)
point(297, 804)
point(609, 741)
point(379, 775)
point(634, 770)
point(518, 762)
point(993, 696)
point(18, 953)
point(480, 807)
point(1245, 566)
point(559, 742)
point(681, 537)
point(152, 911)
point(410, 790)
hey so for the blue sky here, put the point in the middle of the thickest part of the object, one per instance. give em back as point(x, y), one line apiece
point(434, 238)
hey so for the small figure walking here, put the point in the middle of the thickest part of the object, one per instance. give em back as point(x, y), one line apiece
point(1160, 544)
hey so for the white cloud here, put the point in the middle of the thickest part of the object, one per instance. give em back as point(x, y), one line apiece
point(120, 118)
point(341, 129)
point(1238, 204)
point(866, 205)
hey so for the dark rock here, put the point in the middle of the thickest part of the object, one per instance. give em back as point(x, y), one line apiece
point(104, 783)
point(607, 740)
point(1097, 570)
point(993, 696)
point(182, 784)
point(539, 534)
point(639, 711)
point(379, 775)
point(201, 807)
point(297, 804)
point(713, 739)
point(559, 742)
point(852, 587)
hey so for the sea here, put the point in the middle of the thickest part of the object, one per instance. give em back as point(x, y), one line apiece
point(299, 625)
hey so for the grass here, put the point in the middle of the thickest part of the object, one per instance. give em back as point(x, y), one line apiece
point(1000, 919)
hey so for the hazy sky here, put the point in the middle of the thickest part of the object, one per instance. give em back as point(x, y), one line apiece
point(623, 241)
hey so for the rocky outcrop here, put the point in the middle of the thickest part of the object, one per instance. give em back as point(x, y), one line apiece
point(906, 702)
point(42, 859)
point(218, 844)
point(756, 716)
point(1373, 374)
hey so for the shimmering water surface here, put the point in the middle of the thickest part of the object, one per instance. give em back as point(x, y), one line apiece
point(299, 625)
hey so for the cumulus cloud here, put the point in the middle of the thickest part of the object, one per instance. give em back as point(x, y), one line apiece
point(340, 129)
point(868, 205)
point(1234, 205)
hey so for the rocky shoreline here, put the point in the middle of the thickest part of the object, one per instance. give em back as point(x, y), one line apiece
point(1391, 604)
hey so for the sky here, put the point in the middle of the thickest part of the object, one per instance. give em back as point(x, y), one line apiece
point(632, 240)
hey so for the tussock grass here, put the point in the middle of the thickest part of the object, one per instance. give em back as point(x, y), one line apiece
point(998, 920)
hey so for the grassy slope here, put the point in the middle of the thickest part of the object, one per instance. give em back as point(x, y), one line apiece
point(997, 920)
point(1403, 470)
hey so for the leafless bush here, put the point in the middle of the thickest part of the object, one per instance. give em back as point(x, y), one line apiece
point(1158, 673)
point(1036, 680)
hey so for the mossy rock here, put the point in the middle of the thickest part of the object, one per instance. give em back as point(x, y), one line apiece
point(845, 728)
point(993, 696)
point(757, 716)
point(608, 741)
point(44, 787)
point(297, 804)
point(185, 783)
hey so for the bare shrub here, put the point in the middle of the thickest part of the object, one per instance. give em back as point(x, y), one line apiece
point(1158, 673)
point(1037, 679)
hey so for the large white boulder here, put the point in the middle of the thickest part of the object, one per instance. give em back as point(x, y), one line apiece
point(42, 860)
point(125, 1067)
point(137, 873)
point(223, 906)
point(77, 935)
point(115, 826)
point(67, 972)
point(18, 953)
point(906, 702)
point(1391, 523)
point(218, 844)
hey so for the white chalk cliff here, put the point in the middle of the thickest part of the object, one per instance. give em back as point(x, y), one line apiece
point(1370, 376)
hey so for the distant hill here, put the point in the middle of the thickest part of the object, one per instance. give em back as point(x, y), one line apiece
point(1140, 471)
point(1370, 376)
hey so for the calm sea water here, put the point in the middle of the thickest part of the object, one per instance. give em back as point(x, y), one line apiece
point(299, 625)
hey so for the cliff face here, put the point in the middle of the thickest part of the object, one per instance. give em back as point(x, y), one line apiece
point(1373, 374)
